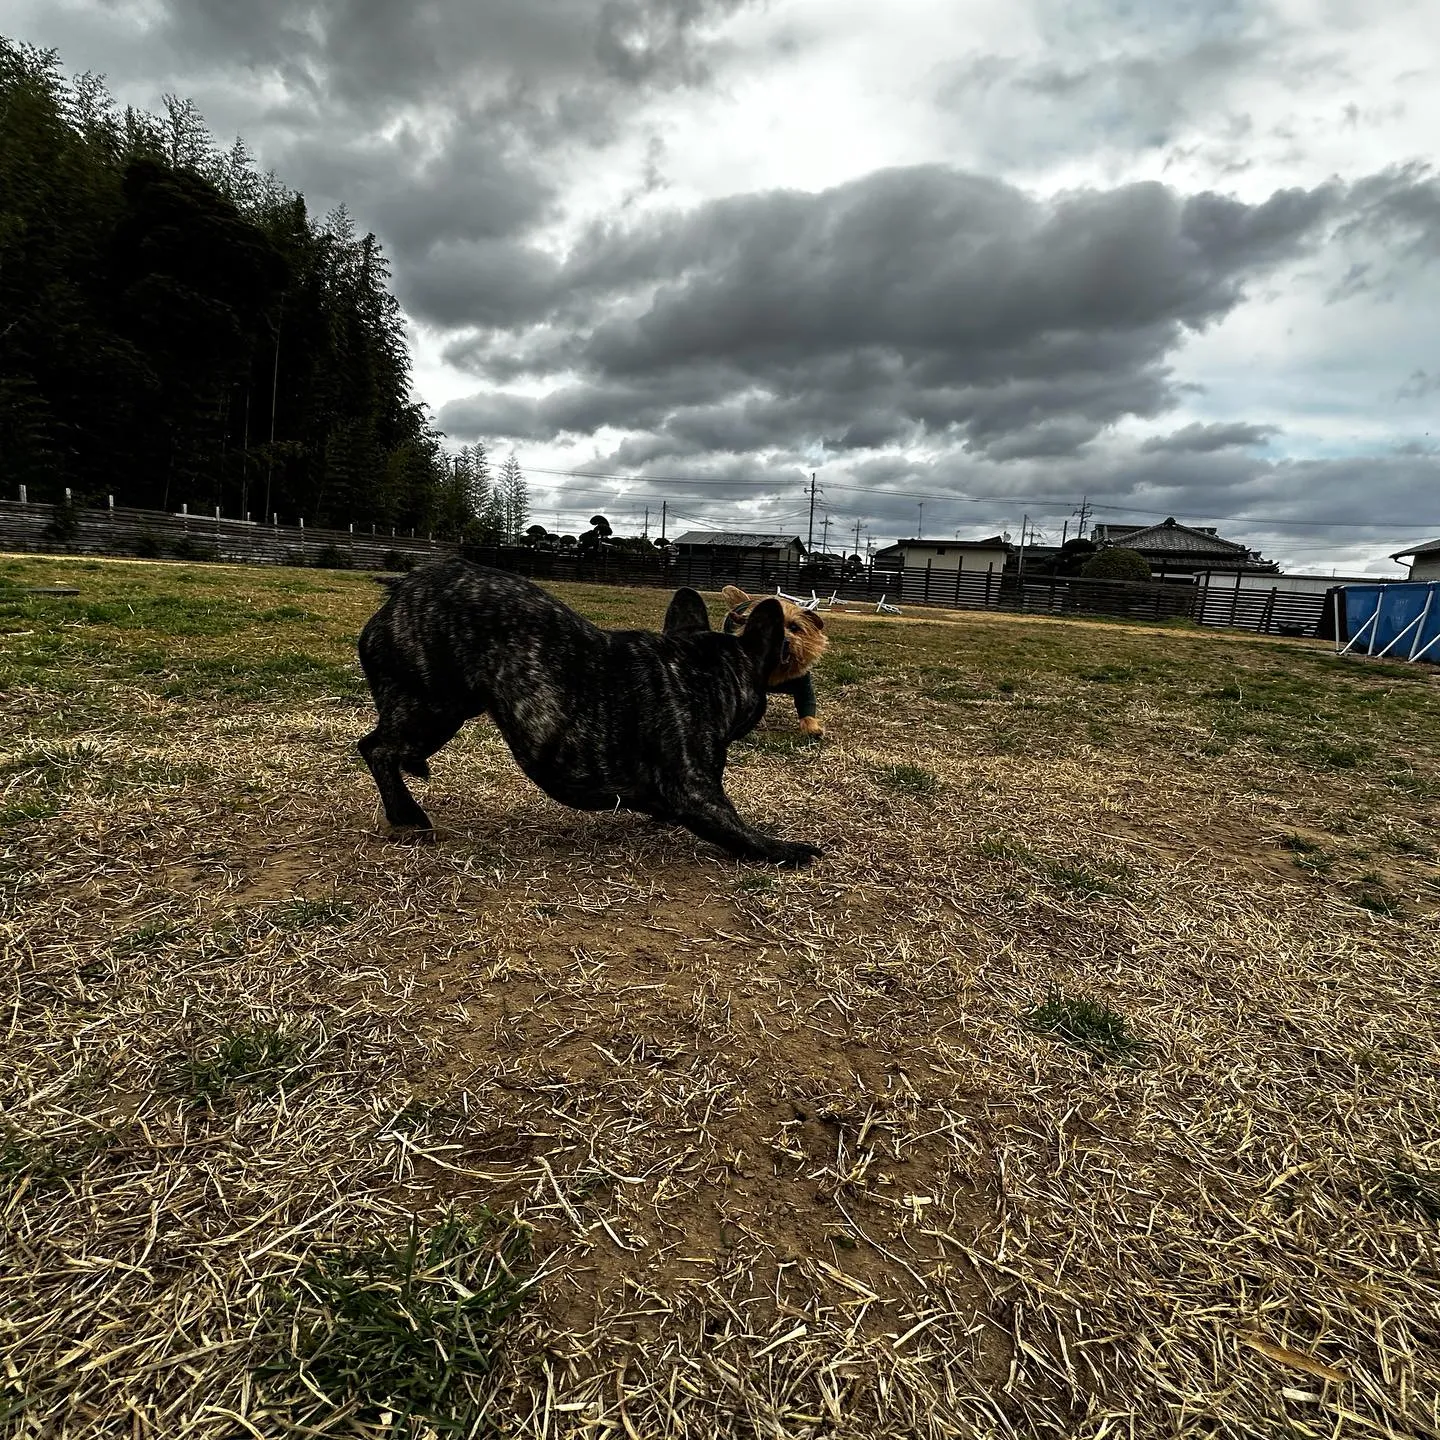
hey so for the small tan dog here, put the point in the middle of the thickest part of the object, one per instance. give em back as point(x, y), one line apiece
point(805, 644)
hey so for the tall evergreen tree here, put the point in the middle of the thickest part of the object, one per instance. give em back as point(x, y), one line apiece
point(515, 498)
point(175, 327)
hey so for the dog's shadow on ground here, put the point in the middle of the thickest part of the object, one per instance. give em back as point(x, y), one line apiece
point(535, 840)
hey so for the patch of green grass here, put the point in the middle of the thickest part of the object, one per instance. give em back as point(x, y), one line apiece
point(840, 670)
point(31, 1157)
point(958, 692)
point(26, 809)
point(245, 677)
point(1107, 878)
point(908, 779)
point(312, 914)
point(149, 938)
point(261, 1059)
point(408, 1326)
point(1331, 755)
point(1086, 1024)
point(756, 883)
point(56, 764)
point(1084, 879)
point(1415, 1190)
point(1307, 855)
point(1413, 782)
point(776, 742)
point(1371, 893)
point(179, 614)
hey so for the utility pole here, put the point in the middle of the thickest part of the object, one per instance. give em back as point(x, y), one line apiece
point(664, 505)
point(645, 533)
point(1024, 525)
point(856, 551)
point(810, 543)
point(920, 535)
point(825, 535)
point(1083, 512)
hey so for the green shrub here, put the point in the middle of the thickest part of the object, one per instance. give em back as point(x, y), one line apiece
point(1116, 563)
point(331, 557)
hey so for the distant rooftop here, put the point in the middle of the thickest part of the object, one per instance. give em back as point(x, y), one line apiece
point(737, 540)
point(995, 542)
point(1428, 548)
point(1173, 538)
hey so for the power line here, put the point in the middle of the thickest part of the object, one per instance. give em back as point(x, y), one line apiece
point(917, 496)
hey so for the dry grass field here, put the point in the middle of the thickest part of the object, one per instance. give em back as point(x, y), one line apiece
point(1089, 1085)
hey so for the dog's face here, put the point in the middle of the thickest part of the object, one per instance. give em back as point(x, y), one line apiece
point(804, 635)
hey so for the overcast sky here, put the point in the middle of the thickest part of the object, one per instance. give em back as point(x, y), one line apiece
point(998, 255)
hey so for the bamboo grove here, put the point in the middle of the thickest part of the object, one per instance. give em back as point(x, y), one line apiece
point(177, 328)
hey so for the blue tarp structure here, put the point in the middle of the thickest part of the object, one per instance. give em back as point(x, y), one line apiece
point(1400, 621)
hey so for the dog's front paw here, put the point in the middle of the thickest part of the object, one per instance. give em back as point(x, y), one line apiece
point(811, 731)
point(795, 854)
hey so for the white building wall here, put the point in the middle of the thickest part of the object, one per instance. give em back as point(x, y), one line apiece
point(917, 557)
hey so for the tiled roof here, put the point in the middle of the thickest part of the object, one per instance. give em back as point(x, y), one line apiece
point(996, 542)
point(1173, 539)
point(736, 540)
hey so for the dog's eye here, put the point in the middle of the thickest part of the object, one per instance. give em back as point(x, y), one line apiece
point(793, 627)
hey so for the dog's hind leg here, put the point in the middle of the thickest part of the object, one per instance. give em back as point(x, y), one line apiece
point(408, 734)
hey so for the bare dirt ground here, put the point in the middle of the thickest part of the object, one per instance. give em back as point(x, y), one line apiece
point(1087, 1086)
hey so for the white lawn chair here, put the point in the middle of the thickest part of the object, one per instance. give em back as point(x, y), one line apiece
point(883, 609)
point(811, 604)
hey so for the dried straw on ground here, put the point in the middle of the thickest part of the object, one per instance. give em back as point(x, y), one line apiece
point(794, 1158)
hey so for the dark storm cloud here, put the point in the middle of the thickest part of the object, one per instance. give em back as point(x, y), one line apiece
point(439, 125)
point(1206, 438)
point(910, 303)
point(372, 51)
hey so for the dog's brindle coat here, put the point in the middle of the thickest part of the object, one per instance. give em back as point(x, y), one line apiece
point(599, 720)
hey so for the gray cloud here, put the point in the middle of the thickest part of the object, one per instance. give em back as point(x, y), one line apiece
point(1206, 438)
point(371, 51)
point(919, 329)
point(1182, 81)
point(1420, 384)
point(912, 303)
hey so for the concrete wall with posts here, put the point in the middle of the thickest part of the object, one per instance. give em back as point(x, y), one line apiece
point(157, 534)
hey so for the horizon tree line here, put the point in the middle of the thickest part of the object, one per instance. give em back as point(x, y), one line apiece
point(177, 328)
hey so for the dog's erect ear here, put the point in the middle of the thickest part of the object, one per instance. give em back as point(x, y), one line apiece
point(686, 612)
point(764, 636)
point(733, 595)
